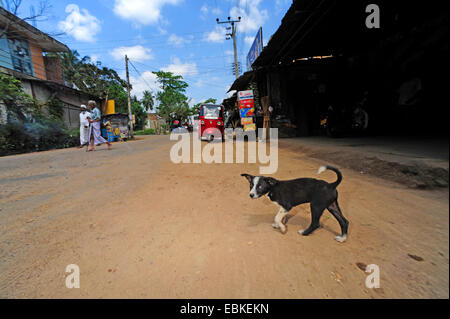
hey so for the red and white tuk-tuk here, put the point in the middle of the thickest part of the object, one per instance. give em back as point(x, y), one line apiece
point(210, 121)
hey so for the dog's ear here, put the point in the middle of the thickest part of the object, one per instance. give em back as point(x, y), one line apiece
point(271, 181)
point(248, 177)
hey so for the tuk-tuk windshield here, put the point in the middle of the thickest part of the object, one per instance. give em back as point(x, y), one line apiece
point(211, 111)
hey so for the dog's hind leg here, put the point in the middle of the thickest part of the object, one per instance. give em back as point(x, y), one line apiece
point(336, 212)
point(316, 213)
point(278, 221)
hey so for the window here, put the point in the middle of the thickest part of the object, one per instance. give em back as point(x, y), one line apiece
point(20, 55)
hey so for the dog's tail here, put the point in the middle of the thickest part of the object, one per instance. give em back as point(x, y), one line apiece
point(334, 169)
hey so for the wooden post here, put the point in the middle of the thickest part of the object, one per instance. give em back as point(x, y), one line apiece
point(129, 98)
point(265, 101)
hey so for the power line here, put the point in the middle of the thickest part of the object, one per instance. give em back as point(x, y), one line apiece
point(140, 75)
point(140, 39)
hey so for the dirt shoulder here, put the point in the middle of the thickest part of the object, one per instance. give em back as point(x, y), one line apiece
point(423, 173)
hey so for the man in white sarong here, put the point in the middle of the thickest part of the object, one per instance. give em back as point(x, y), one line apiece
point(84, 126)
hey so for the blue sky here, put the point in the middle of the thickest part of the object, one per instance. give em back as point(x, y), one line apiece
point(181, 36)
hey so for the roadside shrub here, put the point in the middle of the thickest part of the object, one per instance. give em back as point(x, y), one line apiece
point(29, 128)
point(19, 137)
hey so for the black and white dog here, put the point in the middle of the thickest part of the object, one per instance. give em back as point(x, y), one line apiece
point(288, 194)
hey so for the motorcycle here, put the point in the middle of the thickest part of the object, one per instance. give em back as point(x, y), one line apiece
point(338, 121)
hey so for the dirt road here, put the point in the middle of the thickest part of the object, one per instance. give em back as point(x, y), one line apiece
point(139, 226)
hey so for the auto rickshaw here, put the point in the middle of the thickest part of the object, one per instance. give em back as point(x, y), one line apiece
point(211, 121)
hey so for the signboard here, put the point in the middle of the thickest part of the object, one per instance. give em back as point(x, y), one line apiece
point(246, 104)
point(247, 112)
point(255, 49)
point(246, 120)
point(250, 127)
point(245, 95)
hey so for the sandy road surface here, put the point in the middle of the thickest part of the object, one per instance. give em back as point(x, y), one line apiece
point(140, 226)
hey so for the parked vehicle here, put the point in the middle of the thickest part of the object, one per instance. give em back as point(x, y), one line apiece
point(211, 121)
point(341, 120)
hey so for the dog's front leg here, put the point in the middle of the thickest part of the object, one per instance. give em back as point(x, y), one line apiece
point(278, 220)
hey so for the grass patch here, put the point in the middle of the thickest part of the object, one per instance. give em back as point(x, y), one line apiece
point(149, 131)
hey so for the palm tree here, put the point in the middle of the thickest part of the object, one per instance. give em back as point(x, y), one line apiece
point(147, 100)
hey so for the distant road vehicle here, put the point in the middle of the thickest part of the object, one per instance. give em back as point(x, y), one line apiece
point(211, 121)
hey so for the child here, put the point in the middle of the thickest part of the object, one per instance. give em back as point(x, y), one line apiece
point(109, 131)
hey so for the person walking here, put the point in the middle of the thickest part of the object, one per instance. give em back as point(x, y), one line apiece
point(94, 119)
point(84, 126)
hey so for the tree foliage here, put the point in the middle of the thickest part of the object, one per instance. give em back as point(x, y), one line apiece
point(173, 103)
point(31, 126)
point(102, 82)
point(196, 108)
point(19, 105)
point(87, 76)
point(147, 100)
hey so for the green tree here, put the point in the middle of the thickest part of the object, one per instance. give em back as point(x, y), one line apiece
point(140, 114)
point(120, 97)
point(196, 107)
point(173, 103)
point(147, 100)
point(29, 128)
point(19, 105)
point(86, 76)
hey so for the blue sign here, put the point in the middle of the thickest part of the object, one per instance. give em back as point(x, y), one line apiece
point(255, 49)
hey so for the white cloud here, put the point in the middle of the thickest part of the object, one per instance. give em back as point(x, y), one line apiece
point(80, 24)
point(94, 58)
point(141, 11)
point(249, 40)
point(216, 36)
point(204, 9)
point(199, 83)
point(134, 53)
point(178, 41)
point(146, 82)
point(162, 31)
point(252, 19)
point(183, 69)
point(216, 11)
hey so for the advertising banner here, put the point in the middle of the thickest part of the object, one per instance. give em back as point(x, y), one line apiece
point(255, 49)
point(246, 120)
point(247, 112)
point(246, 104)
point(250, 127)
point(245, 95)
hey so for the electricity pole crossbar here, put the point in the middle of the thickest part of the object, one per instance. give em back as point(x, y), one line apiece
point(233, 35)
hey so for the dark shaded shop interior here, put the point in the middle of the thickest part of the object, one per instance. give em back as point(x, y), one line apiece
point(324, 61)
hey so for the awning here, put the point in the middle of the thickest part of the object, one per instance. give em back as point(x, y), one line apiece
point(241, 83)
point(319, 28)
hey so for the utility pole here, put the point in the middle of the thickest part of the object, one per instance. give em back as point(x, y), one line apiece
point(130, 116)
point(233, 35)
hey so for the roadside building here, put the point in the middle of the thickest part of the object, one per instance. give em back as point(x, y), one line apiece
point(324, 54)
point(22, 55)
point(155, 122)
